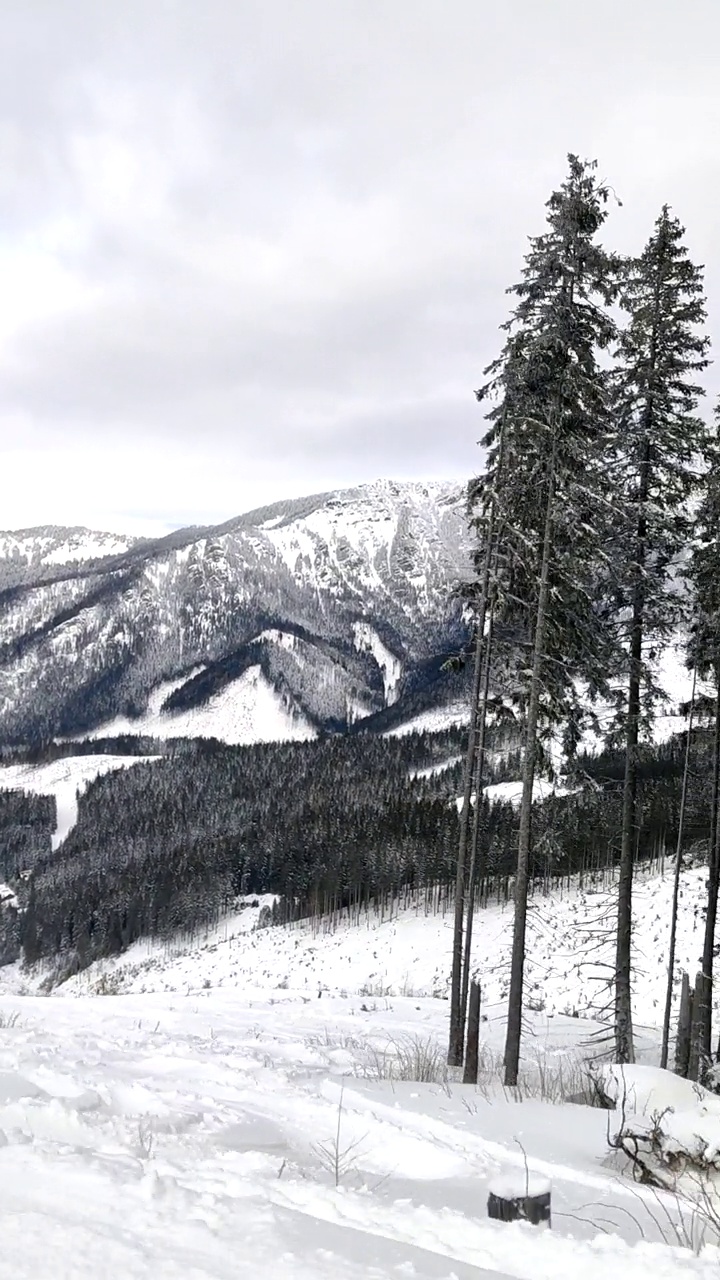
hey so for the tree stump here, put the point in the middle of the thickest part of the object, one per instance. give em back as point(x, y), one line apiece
point(682, 1047)
point(520, 1198)
point(470, 1074)
point(696, 1056)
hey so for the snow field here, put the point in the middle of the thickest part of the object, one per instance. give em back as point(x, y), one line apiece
point(569, 952)
point(172, 1136)
point(246, 710)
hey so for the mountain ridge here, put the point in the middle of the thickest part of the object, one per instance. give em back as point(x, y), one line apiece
point(336, 598)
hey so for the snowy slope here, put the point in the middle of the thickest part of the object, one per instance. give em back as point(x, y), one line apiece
point(434, 720)
point(51, 546)
point(246, 710)
point(187, 1136)
point(569, 951)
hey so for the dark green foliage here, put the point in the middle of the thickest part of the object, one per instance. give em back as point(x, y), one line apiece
point(166, 847)
point(26, 825)
point(704, 566)
point(661, 447)
point(546, 441)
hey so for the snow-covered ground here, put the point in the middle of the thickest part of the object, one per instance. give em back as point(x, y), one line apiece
point(570, 953)
point(186, 1126)
point(246, 710)
point(366, 638)
point(65, 779)
point(194, 1137)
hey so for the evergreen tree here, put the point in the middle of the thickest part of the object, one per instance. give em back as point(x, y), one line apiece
point(550, 499)
point(659, 438)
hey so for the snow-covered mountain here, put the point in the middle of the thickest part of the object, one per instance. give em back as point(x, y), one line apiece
point(29, 554)
point(304, 615)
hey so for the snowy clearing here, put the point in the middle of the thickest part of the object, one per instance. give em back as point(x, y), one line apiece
point(569, 951)
point(187, 1125)
point(246, 710)
point(172, 1137)
point(433, 721)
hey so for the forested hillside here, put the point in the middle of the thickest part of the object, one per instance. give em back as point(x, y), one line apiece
point(168, 846)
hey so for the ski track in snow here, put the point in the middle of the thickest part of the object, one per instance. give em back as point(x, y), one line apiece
point(65, 779)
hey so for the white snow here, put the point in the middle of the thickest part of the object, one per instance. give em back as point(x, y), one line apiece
point(512, 1186)
point(675, 682)
point(283, 639)
point(246, 710)
point(185, 1127)
point(511, 792)
point(407, 952)
point(648, 1091)
point(91, 547)
point(188, 1137)
point(48, 546)
point(675, 1125)
point(366, 638)
point(65, 779)
point(433, 721)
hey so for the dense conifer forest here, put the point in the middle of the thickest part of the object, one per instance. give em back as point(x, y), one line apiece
point(169, 845)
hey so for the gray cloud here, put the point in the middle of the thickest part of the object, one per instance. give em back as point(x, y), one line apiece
point(270, 241)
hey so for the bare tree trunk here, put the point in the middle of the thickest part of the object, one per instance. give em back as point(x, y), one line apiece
point(479, 766)
point(624, 1047)
point(696, 1058)
point(517, 963)
point(455, 1045)
point(457, 1009)
point(713, 881)
point(676, 883)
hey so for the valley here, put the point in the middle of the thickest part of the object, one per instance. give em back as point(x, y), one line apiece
point(227, 849)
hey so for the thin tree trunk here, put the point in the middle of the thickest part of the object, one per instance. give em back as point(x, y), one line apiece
point(457, 1010)
point(517, 964)
point(697, 1063)
point(682, 1045)
point(713, 881)
point(479, 765)
point(624, 1047)
point(676, 884)
point(455, 1045)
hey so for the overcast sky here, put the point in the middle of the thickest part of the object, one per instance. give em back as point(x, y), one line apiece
point(258, 248)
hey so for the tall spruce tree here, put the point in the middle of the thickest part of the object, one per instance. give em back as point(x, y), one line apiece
point(550, 500)
point(704, 651)
point(658, 444)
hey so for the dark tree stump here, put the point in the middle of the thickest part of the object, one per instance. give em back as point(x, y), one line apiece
point(682, 1048)
point(470, 1075)
point(526, 1200)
